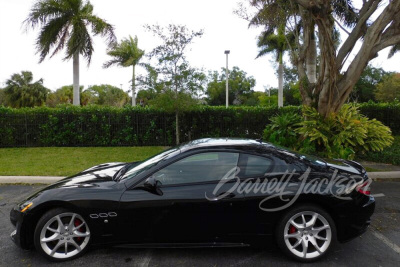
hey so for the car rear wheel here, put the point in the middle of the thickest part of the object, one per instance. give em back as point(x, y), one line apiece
point(61, 235)
point(306, 233)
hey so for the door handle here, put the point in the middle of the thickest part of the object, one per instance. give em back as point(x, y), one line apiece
point(230, 195)
point(219, 196)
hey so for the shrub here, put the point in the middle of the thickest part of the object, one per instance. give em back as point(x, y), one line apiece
point(344, 133)
point(389, 155)
point(282, 130)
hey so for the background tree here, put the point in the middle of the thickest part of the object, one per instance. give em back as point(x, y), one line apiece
point(3, 98)
point(268, 42)
point(338, 72)
point(20, 91)
point(65, 23)
point(365, 88)
point(240, 87)
point(108, 95)
point(389, 89)
point(179, 83)
point(269, 97)
point(65, 95)
point(126, 54)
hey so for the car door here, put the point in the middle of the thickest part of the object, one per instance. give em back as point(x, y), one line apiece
point(264, 175)
point(192, 203)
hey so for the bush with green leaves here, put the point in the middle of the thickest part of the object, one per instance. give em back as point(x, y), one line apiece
point(282, 130)
point(390, 155)
point(342, 134)
point(110, 126)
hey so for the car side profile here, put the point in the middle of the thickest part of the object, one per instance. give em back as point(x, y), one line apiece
point(207, 192)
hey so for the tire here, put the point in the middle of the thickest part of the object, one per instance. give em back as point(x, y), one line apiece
point(309, 243)
point(61, 235)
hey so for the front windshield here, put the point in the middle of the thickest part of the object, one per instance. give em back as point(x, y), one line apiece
point(148, 163)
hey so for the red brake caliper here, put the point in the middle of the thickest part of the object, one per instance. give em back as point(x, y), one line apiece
point(292, 229)
point(78, 222)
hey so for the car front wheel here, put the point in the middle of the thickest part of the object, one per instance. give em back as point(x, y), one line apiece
point(61, 235)
point(306, 233)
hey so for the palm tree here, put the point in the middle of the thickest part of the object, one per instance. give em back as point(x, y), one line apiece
point(64, 23)
point(268, 42)
point(126, 54)
point(22, 92)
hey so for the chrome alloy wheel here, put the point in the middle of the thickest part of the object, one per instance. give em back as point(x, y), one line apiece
point(64, 235)
point(307, 234)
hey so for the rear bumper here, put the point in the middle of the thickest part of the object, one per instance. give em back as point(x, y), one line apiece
point(355, 222)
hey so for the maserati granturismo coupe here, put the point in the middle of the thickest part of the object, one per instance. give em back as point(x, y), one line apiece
point(204, 193)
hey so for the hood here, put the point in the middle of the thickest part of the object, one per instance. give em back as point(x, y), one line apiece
point(99, 175)
point(347, 166)
point(104, 166)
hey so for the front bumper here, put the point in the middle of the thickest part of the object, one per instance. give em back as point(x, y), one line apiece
point(21, 233)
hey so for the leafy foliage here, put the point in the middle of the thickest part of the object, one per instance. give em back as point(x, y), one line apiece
point(20, 91)
point(126, 54)
point(389, 89)
point(3, 98)
point(282, 130)
point(64, 24)
point(64, 95)
point(174, 78)
point(240, 87)
point(344, 133)
point(110, 126)
point(390, 155)
point(365, 88)
point(107, 95)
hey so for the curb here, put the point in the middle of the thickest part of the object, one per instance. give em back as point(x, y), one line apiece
point(29, 179)
point(384, 175)
point(53, 179)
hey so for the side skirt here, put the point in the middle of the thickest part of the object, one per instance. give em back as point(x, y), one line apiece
point(183, 245)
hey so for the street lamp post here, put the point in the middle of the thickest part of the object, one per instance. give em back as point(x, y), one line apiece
point(227, 78)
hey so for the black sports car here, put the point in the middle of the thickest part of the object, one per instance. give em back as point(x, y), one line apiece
point(208, 192)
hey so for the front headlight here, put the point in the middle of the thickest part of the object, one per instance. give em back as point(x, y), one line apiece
point(24, 207)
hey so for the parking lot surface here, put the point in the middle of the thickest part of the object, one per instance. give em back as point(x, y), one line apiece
point(380, 246)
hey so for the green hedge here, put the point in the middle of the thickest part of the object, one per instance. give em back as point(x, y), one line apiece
point(108, 126)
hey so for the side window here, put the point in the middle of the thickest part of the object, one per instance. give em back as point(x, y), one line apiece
point(293, 165)
point(202, 167)
point(254, 165)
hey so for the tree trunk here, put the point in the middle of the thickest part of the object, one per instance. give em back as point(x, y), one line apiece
point(76, 96)
point(280, 81)
point(177, 127)
point(311, 60)
point(133, 88)
point(334, 83)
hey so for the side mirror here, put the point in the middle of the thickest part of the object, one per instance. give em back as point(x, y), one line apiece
point(152, 185)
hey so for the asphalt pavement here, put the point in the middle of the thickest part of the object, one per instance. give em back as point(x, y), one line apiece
point(379, 246)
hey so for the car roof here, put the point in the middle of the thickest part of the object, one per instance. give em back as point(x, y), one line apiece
point(236, 143)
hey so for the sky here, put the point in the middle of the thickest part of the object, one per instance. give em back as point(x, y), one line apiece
point(223, 30)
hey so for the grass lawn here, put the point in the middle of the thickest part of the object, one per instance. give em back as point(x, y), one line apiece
point(65, 161)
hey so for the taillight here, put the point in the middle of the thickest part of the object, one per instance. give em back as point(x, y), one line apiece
point(364, 188)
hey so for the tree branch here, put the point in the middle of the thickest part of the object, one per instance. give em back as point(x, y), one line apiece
point(393, 40)
point(308, 4)
point(375, 39)
point(341, 27)
point(359, 30)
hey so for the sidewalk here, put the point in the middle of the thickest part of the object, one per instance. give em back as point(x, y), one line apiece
point(29, 179)
point(53, 179)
